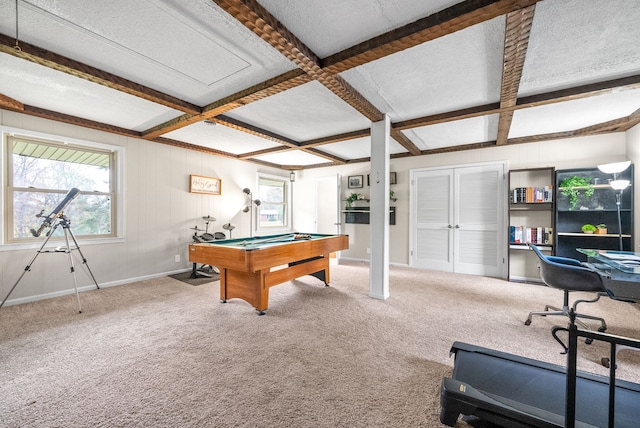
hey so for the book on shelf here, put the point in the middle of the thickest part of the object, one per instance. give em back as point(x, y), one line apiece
point(532, 195)
point(531, 235)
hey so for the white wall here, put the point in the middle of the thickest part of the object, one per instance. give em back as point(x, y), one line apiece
point(158, 208)
point(561, 154)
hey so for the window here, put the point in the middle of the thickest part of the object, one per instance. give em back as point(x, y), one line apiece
point(274, 209)
point(40, 173)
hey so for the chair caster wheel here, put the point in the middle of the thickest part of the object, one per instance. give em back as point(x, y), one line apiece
point(602, 329)
point(605, 362)
point(527, 322)
point(588, 341)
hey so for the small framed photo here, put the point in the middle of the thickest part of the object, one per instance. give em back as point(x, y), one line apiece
point(206, 185)
point(355, 181)
point(392, 178)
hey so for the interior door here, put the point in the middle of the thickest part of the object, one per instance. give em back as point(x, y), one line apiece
point(478, 220)
point(327, 212)
point(431, 238)
point(457, 219)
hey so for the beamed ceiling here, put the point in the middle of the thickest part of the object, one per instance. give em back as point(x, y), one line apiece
point(296, 84)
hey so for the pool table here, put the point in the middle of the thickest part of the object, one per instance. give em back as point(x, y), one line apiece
point(250, 266)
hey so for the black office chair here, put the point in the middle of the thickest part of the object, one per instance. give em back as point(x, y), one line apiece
point(569, 275)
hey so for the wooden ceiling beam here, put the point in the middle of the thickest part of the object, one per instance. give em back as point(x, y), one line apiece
point(194, 147)
point(337, 138)
point(77, 69)
point(254, 130)
point(337, 160)
point(404, 141)
point(257, 19)
point(270, 87)
point(578, 92)
point(78, 121)
point(262, 133)
point(263, 152)
point(10, 103)
point(454, 115)
point(516, 42)
point(447, 21)
point(569, 94)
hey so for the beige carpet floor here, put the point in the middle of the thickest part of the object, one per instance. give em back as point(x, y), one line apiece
point(164, 353)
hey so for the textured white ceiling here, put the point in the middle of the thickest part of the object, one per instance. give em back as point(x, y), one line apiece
point(196, 52)
point(303, 113)
point(575, 42)
point(467, 131)
point(359, 148)
point(220, 138)
point(572, 115)
point(331, 26)
point(435, 77)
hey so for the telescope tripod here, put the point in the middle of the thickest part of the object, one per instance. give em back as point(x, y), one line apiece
point(63, 221)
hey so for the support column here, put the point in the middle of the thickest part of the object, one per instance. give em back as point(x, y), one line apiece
point(379, 217)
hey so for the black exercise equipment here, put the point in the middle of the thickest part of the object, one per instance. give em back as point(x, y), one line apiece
point(514, 391)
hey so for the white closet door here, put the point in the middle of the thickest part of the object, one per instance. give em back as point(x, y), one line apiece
point(432, 231)
point(477, 224)
point(457, 219)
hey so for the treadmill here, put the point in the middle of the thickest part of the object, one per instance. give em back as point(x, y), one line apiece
point(515, 391)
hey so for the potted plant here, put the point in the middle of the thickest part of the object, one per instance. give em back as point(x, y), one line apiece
point(588, 228)
point(351, 199)
point(601, 229)
point(570, 187)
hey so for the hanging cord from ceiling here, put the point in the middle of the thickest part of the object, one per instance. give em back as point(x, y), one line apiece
point(17, 46)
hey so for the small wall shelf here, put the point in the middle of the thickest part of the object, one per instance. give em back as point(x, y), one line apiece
point(360, 215)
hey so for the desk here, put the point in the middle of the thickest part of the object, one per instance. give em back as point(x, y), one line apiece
point(620, 271)
point(250, 266)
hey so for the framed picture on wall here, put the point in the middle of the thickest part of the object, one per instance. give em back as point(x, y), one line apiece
point(392, 178)
point(206, 185)
point(355, 181)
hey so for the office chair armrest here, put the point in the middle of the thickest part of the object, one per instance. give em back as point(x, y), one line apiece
point(565, 261)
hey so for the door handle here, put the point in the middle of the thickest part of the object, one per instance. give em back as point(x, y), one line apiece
point(449, 226)
point(457, 226)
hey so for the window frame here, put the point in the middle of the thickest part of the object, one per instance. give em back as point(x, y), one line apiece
point(6, 166)
point(287, 226)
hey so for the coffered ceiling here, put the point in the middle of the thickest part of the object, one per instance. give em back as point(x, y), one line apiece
point(296, 84)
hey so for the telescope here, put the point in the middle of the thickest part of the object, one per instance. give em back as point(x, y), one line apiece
point(57, 212)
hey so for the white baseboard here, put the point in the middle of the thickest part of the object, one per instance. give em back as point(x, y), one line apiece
point(44, 296)
point(525, 279)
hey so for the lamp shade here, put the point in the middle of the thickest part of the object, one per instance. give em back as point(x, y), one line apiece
point(614, 168)
point(619, 184)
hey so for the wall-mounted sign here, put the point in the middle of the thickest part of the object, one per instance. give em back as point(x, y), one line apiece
point(207, 185)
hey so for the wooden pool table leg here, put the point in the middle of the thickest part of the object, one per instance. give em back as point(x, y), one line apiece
point(248, 286)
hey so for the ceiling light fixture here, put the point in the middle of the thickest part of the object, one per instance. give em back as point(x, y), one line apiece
point(209, 122)
point(292, 176)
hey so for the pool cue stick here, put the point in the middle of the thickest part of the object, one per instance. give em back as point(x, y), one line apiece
point(261, 241)
point(276, 239)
